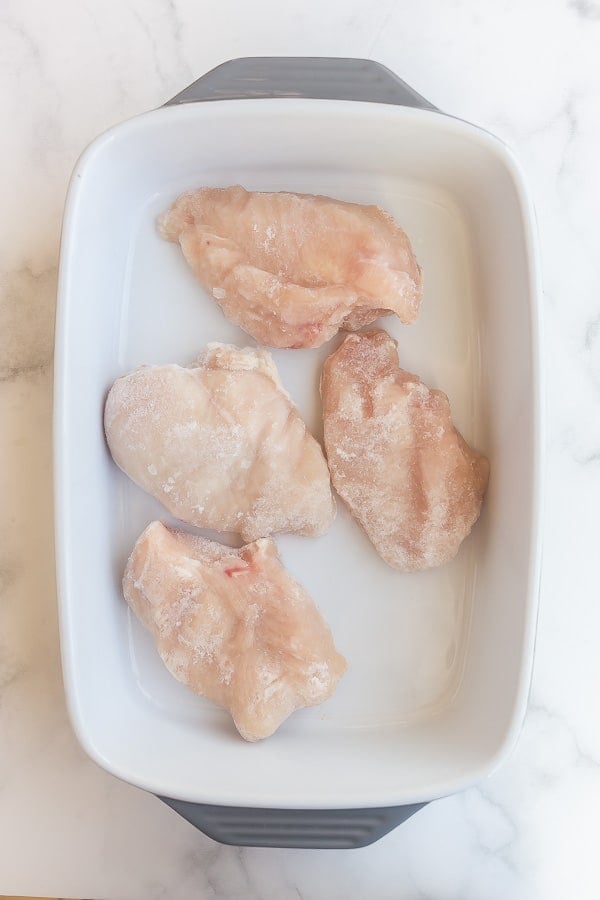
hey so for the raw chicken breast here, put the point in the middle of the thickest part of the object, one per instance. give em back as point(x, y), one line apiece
point(233, 626)
point(395, 457)
point(221, 445)
point(292, 269)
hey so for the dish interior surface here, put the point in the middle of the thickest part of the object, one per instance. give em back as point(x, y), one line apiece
point(424, 650)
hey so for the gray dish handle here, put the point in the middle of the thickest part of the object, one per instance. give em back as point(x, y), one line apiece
point(322, 78)
point(318, 77)
point(321, 829)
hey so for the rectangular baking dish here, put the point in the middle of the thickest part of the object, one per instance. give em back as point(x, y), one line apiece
point(440, 662)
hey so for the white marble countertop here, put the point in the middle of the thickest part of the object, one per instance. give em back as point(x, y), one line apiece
point(525, 69)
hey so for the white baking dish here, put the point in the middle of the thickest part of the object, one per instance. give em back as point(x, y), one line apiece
point(440, 662)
